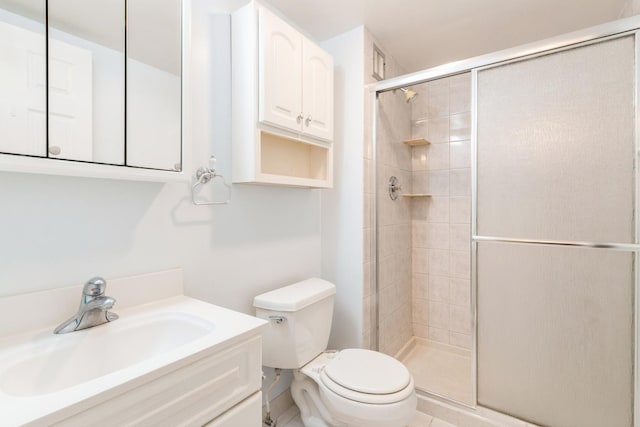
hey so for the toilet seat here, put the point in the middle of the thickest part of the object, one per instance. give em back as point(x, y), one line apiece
point(328, 385)
point(365, 376)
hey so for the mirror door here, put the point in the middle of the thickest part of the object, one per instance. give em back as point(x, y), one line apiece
point(154, 84)
point(87, 80)
point(23, 77)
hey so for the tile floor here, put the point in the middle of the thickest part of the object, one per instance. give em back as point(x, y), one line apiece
point(441, 369)
point(420, 420)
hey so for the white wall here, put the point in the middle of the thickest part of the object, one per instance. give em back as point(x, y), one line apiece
point(342, 206)
point(59, 231)
point(347, 208)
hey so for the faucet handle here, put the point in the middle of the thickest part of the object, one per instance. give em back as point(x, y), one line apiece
point(94, 287)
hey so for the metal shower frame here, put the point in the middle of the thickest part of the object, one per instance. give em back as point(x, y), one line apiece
point(615, 29)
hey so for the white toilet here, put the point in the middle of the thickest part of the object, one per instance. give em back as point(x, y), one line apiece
point(346, 388)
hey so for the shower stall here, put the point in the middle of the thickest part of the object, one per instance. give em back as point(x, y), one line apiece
point(506, 232)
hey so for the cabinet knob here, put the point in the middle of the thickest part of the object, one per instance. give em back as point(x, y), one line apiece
point(54, 150)
point(308, 120)
point(299, 118)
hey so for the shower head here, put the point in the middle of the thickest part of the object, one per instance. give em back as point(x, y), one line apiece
point(409, 94)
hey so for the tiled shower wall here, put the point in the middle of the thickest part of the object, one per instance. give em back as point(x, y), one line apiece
point(395, 287)
point(441, 230)
point(394, 224)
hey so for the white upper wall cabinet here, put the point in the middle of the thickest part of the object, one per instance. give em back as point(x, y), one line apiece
point(282, 103)
point(296, 80)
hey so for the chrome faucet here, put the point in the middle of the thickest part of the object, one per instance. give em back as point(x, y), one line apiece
point(94, 308)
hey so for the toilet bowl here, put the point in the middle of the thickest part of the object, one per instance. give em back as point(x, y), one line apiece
point(346, 388)
point(358, 388)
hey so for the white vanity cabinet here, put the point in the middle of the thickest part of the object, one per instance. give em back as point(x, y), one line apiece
point(167, 361)
point(219, 389)
point(282, 103)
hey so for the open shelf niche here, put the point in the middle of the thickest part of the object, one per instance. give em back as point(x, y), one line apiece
point(294, 158)
point(416, 195)
point(416, 142)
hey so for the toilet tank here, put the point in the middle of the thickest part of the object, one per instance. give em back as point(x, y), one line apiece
point(299, 317)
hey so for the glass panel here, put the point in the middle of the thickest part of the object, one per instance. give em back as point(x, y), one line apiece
point(22, 77)
point(154, 84)
point(556, 145)
point(86, 80)
point(555, 332)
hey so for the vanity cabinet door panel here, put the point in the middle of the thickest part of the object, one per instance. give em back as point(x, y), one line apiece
point(22, 80)
point(280, 63)
point(317, 83)
point(246, 413)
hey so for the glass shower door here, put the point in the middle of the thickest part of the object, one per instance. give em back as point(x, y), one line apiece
point(555, 149)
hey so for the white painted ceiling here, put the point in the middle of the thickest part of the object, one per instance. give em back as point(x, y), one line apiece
point(423, 33)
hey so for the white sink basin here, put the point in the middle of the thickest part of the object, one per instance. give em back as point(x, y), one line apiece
point(56, 362)
point(44, 376)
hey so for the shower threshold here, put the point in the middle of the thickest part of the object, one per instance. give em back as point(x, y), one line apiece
point(439, 368)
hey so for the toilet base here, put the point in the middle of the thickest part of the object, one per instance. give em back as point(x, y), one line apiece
point(317, 409)
point(306, 395)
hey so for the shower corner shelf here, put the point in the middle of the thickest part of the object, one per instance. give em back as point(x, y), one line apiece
point(416, 142)
point(416, 195)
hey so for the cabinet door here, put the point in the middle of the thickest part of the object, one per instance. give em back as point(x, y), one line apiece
point(317, 84)
point(280, 50)
point(244, 414)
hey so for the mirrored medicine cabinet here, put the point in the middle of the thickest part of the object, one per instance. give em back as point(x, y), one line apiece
point(91, 85)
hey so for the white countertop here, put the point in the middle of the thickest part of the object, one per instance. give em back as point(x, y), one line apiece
point(45, 378)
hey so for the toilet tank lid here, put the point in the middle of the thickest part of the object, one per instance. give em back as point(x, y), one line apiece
point(295, 297)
